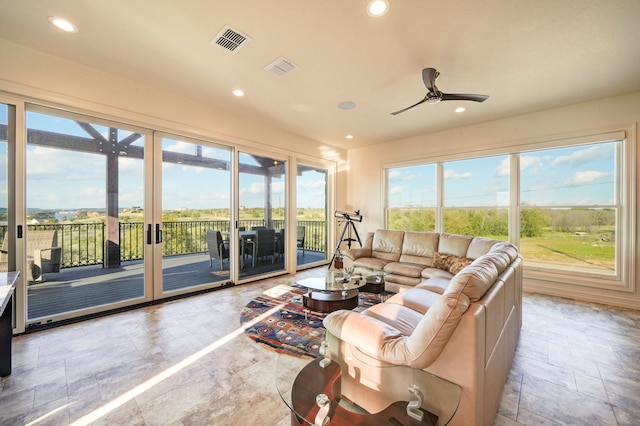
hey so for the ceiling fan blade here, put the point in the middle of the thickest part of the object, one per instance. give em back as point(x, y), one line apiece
point(463, 97)
point(429, 76)
point(409, 107)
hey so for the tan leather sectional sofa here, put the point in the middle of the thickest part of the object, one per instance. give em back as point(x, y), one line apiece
point(457, 314)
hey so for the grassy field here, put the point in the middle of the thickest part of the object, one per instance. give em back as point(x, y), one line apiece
point(589, 250)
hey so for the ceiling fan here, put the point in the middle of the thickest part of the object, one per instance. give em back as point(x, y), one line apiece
point(434, 95)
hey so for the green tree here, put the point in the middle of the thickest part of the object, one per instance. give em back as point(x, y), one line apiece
point(532, 223)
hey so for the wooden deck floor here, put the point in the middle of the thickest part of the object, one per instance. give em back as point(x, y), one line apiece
point(75, 289)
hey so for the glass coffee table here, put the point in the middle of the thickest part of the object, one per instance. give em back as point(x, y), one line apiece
point(311, 388)
point(340, 288)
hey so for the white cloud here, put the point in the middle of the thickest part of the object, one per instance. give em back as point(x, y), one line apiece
point(504, 167)
point(396, 190)
point(588, 176)
point(530, 162)
point(452, 174)
point(587, 155)
point(394, 174)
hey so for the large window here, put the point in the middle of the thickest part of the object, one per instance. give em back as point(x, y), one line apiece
point(564, 205)
point(569, 206)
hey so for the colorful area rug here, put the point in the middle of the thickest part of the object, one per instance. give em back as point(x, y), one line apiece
point(288, 329)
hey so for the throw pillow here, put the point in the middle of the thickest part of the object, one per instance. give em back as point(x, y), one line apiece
point(449, 262)
point(441, 261)
point(458, 263)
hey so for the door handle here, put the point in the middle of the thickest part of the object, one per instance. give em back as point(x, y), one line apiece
point(19, 231)
point(158, 234)
point(149, 234)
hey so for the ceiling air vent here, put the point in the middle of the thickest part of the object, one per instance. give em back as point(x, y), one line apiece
point(231, 39)
point(280, 67)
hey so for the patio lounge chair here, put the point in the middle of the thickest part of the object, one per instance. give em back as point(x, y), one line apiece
point(218, 248)
point(43, 254)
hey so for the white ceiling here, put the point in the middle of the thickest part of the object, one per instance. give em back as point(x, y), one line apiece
point(526, 55)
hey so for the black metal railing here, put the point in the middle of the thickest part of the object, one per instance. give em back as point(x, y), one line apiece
point(83, 243)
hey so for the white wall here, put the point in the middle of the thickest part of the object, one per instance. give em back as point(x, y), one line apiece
point(28, 72)
point(365, 178)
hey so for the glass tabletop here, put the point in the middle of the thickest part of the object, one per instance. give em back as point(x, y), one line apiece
point(306, 386)
point(344, 279)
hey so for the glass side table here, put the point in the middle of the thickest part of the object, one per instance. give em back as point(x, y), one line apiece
point(311, 388)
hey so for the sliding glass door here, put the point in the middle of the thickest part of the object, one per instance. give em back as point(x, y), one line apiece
point(85, 188)
point(262, 232)
point(311, 215)
point(196, 186)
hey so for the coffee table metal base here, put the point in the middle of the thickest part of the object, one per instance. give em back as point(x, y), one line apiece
point(328, 302)
point(314, 380)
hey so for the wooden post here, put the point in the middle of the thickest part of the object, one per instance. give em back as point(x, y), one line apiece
point(112, 249)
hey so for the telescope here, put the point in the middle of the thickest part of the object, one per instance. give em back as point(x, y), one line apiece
point(354, 217)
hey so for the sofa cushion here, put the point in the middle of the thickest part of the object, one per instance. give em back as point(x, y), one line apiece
point(371, 262)
point(437, 285)
point(456, 245)
point(366, 333)
point(428, 273)
point(387, 244)
point(475, 279)
point(400, 317)
point(449, 262)
point(419, 247)
point(418, 299)
point(406, 269)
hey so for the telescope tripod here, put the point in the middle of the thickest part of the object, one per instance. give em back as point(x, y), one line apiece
point(348, 228)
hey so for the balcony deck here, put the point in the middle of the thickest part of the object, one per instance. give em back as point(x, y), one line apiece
point(74, 289)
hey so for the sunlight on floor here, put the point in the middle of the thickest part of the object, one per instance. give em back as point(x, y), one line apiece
point(143, 387)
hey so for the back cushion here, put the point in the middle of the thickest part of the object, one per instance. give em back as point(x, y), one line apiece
point(434, 330)
point(387, 244)
point(419, 247)
point(479, 246)
point(475, 279)
point(456, 245)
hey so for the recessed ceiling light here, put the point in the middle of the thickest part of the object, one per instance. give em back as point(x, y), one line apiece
point(349, 136)
point(238, 93)
point(347, 105)
point(63, 24)
point(377, 7)
point(460, 109)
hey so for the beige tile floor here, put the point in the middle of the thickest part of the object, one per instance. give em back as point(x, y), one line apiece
point(180, 363)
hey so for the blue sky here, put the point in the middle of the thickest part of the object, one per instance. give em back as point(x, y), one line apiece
point(57, 179)
point(67, 180)
point(571, 176)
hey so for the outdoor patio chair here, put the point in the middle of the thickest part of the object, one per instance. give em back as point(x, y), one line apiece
point(280, 243)
point(300, 238)
point(218, 248)
point(43, 254)
point(263, 245)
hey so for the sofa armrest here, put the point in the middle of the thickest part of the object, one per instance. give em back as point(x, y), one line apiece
point(368, 334)
point(357, 253)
